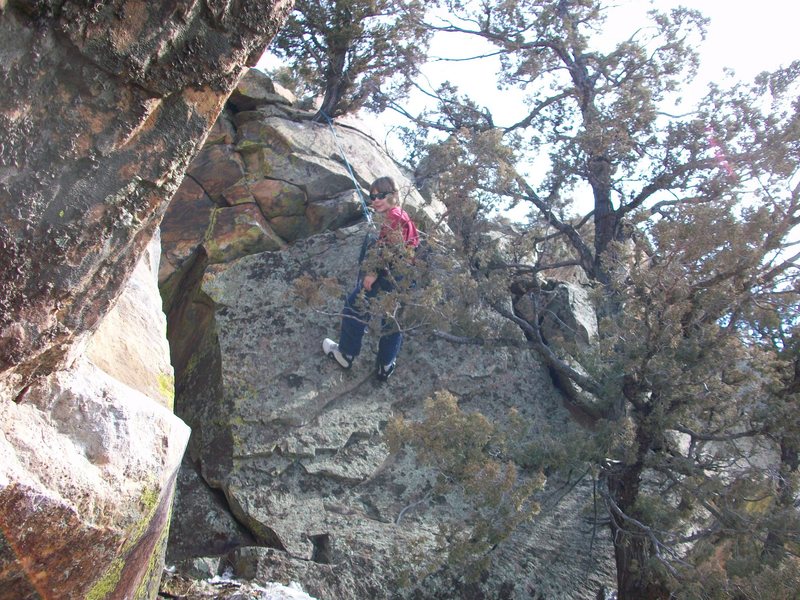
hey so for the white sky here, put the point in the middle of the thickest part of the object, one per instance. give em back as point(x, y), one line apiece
point(748, 36)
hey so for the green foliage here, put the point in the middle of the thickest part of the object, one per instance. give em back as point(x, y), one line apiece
point(694, 376)
point(432, 290)
point(357, 53)
point(737, 570)
point(465, 451)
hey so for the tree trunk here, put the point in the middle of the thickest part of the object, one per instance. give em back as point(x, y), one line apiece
point(633, 550)
point(775, 545)
point(633, 546)
point(605, 218)
point(335, 88)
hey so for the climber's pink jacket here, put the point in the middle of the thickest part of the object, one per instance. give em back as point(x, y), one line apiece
point(396, 219)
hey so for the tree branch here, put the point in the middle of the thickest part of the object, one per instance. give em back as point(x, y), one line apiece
point(526, 122)
point(585, 254)
point(647, 532)
point(711, 437)
point(551, 359)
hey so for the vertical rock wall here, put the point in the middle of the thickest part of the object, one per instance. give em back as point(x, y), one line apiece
point(88, 460)
point(102, 106)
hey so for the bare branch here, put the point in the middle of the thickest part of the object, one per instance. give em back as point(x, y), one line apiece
point(663, 182)
point(552, 360)
point(583, 250)
point(467, 58)
point(659, 547)
point(712, 437)
point(526, 122)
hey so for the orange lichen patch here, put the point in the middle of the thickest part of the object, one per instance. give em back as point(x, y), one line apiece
point(151, 107)
point(15, 113)
point(129, 170)
point(63, 94)
point(132, 26)
point(83, 144)
point(95, 213)
point(205, 102)
point(95, 122)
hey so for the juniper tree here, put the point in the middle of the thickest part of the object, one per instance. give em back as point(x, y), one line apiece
point(355, 53)
point(688, 249)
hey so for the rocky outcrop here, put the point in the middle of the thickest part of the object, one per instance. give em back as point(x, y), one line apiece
point(296, 446)
point(567, 321)
point(87, 476)
point(131, 343)
point(268, 176)
point(287, 449)
point(88, 460)
point(102, 107)
point(101, 111)
point(564, 311)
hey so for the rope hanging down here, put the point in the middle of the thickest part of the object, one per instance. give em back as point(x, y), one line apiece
point(350, 171)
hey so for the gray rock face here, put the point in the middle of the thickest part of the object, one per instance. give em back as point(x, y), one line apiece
point(570, 314)
point(256, 89)
point(102, 107)
point(296, 445)
point(288, 475)
point(568, 320)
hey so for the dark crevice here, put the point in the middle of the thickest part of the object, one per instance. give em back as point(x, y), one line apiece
point(187, 537)
point(21, 396)
point(323, 550)
point(188, 175)
point(200, 402)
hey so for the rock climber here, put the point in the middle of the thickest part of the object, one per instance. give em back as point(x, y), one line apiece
point(383, 266)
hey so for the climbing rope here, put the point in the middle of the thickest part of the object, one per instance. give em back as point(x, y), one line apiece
point(363, 202)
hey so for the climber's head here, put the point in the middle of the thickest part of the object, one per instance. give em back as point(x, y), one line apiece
point(383, 194)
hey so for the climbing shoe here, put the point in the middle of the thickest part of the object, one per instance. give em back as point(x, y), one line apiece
point(331, 349)
point(385, 371)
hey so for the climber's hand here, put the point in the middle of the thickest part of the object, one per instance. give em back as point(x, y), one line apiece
point(369, 280)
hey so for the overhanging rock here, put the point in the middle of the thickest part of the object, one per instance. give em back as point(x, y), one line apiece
point(102, 111)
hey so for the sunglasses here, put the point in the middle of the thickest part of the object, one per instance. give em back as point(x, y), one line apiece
point(380, 195)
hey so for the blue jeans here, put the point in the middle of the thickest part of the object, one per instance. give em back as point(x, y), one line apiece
point(354, 323)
